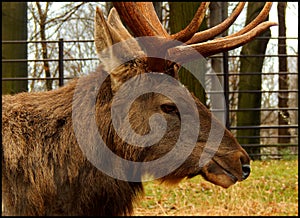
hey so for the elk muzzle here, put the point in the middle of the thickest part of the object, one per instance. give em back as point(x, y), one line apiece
point(225, 170)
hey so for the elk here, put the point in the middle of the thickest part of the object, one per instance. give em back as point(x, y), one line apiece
point(45, 169)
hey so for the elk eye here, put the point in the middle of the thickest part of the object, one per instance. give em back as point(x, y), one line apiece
point(169, 108)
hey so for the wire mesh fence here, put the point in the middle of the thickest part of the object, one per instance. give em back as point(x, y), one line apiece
point(268, 140)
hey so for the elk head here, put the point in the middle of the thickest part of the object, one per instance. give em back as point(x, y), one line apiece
point(207, 147)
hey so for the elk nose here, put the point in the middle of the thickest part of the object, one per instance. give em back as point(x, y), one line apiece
point(246, 170)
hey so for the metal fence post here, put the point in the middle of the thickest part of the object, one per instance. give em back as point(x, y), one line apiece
point(61, 62)
point(226, 87)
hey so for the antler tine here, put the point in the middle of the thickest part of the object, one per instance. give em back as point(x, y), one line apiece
point(260, 18)
point(218, 29)
point(134, 19)
point(230, 42)
point(193, 26)
point(206, 49)
point(140, 18)
point(148, 11)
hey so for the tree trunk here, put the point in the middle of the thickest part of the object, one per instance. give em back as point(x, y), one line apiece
point(283, 115)
point(14, 27)
point(43, 22)
point(181, 13)
point(158, 9)
point(218, 13)
point(251, 82)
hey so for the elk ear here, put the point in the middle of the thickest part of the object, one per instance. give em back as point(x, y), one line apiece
point(128, 50)
point(129, 46)
point(101, 33)
point(111, 32)
point(115, 46)
point(115, 23)
point(105, 36)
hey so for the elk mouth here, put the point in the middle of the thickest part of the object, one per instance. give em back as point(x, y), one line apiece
point(234, 179)
point(216, 174)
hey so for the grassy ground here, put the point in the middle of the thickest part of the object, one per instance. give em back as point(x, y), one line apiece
point(271, 189)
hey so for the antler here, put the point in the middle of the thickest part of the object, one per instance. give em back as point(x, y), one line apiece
point(142, 19)
point(216, 30)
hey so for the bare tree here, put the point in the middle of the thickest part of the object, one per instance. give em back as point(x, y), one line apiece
point(283, 96)
point(246, 99)
point(50, 20)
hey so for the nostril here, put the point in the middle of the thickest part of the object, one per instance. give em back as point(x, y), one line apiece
point(246, 170)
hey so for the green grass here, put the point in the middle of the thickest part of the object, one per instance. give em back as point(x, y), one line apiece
point(271, 189)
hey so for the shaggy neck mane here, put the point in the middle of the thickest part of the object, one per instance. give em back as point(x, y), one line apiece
point(47, 116)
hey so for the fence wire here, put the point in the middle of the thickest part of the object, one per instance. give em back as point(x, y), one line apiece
point(268, 135)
